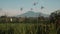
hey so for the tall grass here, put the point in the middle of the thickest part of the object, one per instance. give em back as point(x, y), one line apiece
point(28, 28)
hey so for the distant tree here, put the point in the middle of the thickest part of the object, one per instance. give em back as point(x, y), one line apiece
point(3, 16)
point(55, 19)
point(54, 16)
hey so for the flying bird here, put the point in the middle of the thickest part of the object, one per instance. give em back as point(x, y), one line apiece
point(35, 3)
point(42, 7)
point(21, 9)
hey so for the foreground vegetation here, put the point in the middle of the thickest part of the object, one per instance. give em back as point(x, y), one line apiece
point(21, 28)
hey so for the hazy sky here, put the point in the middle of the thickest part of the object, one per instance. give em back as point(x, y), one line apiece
point(12, 7)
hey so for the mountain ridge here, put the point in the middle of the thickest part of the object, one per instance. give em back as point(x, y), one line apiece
point(32, 14)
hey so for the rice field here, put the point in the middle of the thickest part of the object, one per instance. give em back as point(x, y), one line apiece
point(27, 28)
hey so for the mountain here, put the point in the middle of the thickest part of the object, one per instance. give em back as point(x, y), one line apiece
point(32, 14)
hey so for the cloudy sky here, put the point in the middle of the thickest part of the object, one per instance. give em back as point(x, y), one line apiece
point(12, 7)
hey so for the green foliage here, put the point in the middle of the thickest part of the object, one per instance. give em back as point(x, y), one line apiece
point(27, 28)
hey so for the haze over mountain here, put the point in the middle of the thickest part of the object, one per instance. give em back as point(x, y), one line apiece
point(32, 14)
